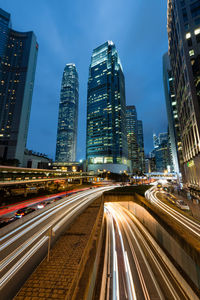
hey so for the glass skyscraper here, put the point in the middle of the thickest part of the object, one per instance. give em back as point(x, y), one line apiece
point(106, 111)
point(162, 152)
point(18, 56)
point(68, 116)
point(5, 25)
point(140, 139)
point(131, 126)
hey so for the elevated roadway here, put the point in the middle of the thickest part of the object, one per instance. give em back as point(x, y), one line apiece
point(24, 246)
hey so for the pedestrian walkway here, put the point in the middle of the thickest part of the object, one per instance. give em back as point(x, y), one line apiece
point(53, 280)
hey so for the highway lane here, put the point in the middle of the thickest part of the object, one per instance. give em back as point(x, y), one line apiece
point(20, 245)
point(116, 280)
point(10, 209)
point(190, 225)
point(148, 272)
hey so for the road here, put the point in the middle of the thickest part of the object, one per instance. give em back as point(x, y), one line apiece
point(12, 208)
point(189, 224)
point(135, 267)
point(23, 247)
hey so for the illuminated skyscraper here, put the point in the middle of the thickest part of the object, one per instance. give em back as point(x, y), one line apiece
point(18, 56)
point(140, 140)
point(68, 116)
point(184, 53)
point(172, 114)
point(5, 25)
point(131, 126)
point(106, 111)
point(162, 152)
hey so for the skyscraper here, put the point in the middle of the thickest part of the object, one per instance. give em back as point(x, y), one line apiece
point(18, 56)
point(106, 111)
point(162, 152)
point(5, 25)
point(68, 116)
point(184, 52)
point(132, 132)
point(172, 114)
point(140, 139)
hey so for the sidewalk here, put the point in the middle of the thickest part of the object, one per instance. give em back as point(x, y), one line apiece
point(53, 280)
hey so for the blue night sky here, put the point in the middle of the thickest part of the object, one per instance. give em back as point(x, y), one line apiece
point(67, 31)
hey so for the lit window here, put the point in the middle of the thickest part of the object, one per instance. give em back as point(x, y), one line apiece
point(197, 31)
point(191, 52)
point(188, 35)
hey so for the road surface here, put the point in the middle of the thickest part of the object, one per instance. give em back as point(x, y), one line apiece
point(23, 247)
point(135, 267)
point(190, 225)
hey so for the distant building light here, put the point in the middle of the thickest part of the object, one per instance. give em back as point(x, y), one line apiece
point(191, 52)
point(188, 35)
point(197, 31)
point(80, 160)
point(170, 79)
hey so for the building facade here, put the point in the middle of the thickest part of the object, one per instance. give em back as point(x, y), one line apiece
point(184, 52)
point(68, 116)
point(106, 146)
point(172, 115)
point(162, 152)
point(18, 56)
point(140, 139)
point(5, 24)
point(131, 127)
point(36, 160)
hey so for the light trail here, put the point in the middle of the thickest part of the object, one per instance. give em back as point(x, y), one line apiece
point(129, 288)
point(139, 240)
point(64, 217)
point(191, 225)
point(38, 220)
point(31, 243)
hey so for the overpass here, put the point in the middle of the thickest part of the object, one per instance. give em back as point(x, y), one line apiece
point(159, 175)
point(18, 176)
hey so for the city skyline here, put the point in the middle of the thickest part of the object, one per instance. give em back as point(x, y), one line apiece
point(43, 123)
point(100, 195)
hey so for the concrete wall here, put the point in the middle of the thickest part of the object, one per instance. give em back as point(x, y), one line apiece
point(89, 263)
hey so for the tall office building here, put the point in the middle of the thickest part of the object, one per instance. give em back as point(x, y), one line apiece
point(68, 116)
point(18, 56)
point(106, 111)
point(155, 141)
point(5, 25)
point(172, 114)
point(131, 127)
point(184, 52)
point(140, 139)
point(162, 152)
